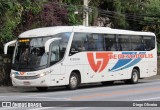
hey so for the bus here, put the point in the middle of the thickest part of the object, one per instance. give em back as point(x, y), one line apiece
point(73, 55)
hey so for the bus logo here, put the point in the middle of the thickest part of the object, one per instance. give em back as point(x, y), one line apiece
point(99, 62)
point(22, 73)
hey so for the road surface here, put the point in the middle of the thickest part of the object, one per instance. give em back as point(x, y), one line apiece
point(145, 90)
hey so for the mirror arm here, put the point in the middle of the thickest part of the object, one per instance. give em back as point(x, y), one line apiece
point(8, 44)
point(48, 42)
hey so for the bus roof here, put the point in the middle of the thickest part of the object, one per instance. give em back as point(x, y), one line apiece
point(47, 31)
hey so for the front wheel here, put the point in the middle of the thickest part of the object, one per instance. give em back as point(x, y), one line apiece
point(73, 81)
point(134, 78)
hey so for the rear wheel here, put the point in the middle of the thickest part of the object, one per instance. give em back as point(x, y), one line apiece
point(42, 89)
point(134, 77)
point(74, 81)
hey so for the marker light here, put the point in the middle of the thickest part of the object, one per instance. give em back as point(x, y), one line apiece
point(12, 75)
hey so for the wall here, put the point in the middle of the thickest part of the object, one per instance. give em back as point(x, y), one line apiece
point(5, 68)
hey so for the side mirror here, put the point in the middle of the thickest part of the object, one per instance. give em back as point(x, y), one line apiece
point(11, 43)
point(48, 42)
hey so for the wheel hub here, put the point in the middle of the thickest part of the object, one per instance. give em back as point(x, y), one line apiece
point(135, 77)
point(73, 81)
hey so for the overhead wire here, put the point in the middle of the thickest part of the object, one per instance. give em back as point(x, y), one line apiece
point(128, 16)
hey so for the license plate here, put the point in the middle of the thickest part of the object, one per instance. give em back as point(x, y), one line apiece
point(26, 83)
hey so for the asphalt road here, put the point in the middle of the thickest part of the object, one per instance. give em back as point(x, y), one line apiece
point(146, 90)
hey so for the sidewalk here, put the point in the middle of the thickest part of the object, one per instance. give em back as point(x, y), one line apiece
point(154, 77)
point(11, 89)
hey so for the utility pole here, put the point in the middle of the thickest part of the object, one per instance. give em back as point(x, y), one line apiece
point(85, 13)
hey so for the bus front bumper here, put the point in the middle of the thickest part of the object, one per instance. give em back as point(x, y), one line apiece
point(39, 82)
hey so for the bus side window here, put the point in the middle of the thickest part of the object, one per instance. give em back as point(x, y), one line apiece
point(99, 41)
point(54, 53)
point(137, 43)
point(124, 43)
point(63, 43)
point(110, 42)
point(78, 43)
point(148, 42)
point(91, 43)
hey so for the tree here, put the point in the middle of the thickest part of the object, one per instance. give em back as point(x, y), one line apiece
point(10, 17)
point(153, 20)
point(18, 16)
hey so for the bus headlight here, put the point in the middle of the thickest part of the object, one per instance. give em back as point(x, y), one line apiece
point(43, 74)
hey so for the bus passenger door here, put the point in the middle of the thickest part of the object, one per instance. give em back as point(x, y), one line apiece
point(55, 64)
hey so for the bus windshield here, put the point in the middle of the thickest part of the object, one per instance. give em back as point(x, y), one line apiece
point(30, 53)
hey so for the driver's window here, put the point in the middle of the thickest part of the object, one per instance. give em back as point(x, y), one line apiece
point(79, 43)
point(54, 52)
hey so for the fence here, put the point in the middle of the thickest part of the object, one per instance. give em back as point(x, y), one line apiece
point(5, 69)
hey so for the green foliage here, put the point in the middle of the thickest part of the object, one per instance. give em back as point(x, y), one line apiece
point(32, 5)
point(11, 16)
point(74, 19)
point(75, 2)
point(119, 21)
point(153, 7)
point(153, 20)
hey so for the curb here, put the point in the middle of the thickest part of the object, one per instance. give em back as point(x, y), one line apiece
point(153, 77)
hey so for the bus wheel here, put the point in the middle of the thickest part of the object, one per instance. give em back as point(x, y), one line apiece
point(42, 89)
point(73, 81)
point(107, 83)
point(134, 78)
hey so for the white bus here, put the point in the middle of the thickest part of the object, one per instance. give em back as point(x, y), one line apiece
point(73, 55)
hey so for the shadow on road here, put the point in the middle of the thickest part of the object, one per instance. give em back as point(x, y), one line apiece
point(63, 88)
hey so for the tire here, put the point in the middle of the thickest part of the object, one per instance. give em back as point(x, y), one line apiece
point(73, 81)
point(134, 77)
point(107, 83)
point(42, 89)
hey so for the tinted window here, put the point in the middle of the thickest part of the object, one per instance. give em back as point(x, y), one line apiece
point(30, 54)
point(95, 42)
point(58, 47)
point(87, 42)
point(79, 43)
point(55, 53)
point(149, 42)
point(63, 43)
point(136, 43)
point(100, 42)
point(124, 43)
point(110, 42)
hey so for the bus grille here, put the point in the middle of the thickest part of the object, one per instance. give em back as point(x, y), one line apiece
point(27, 77)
